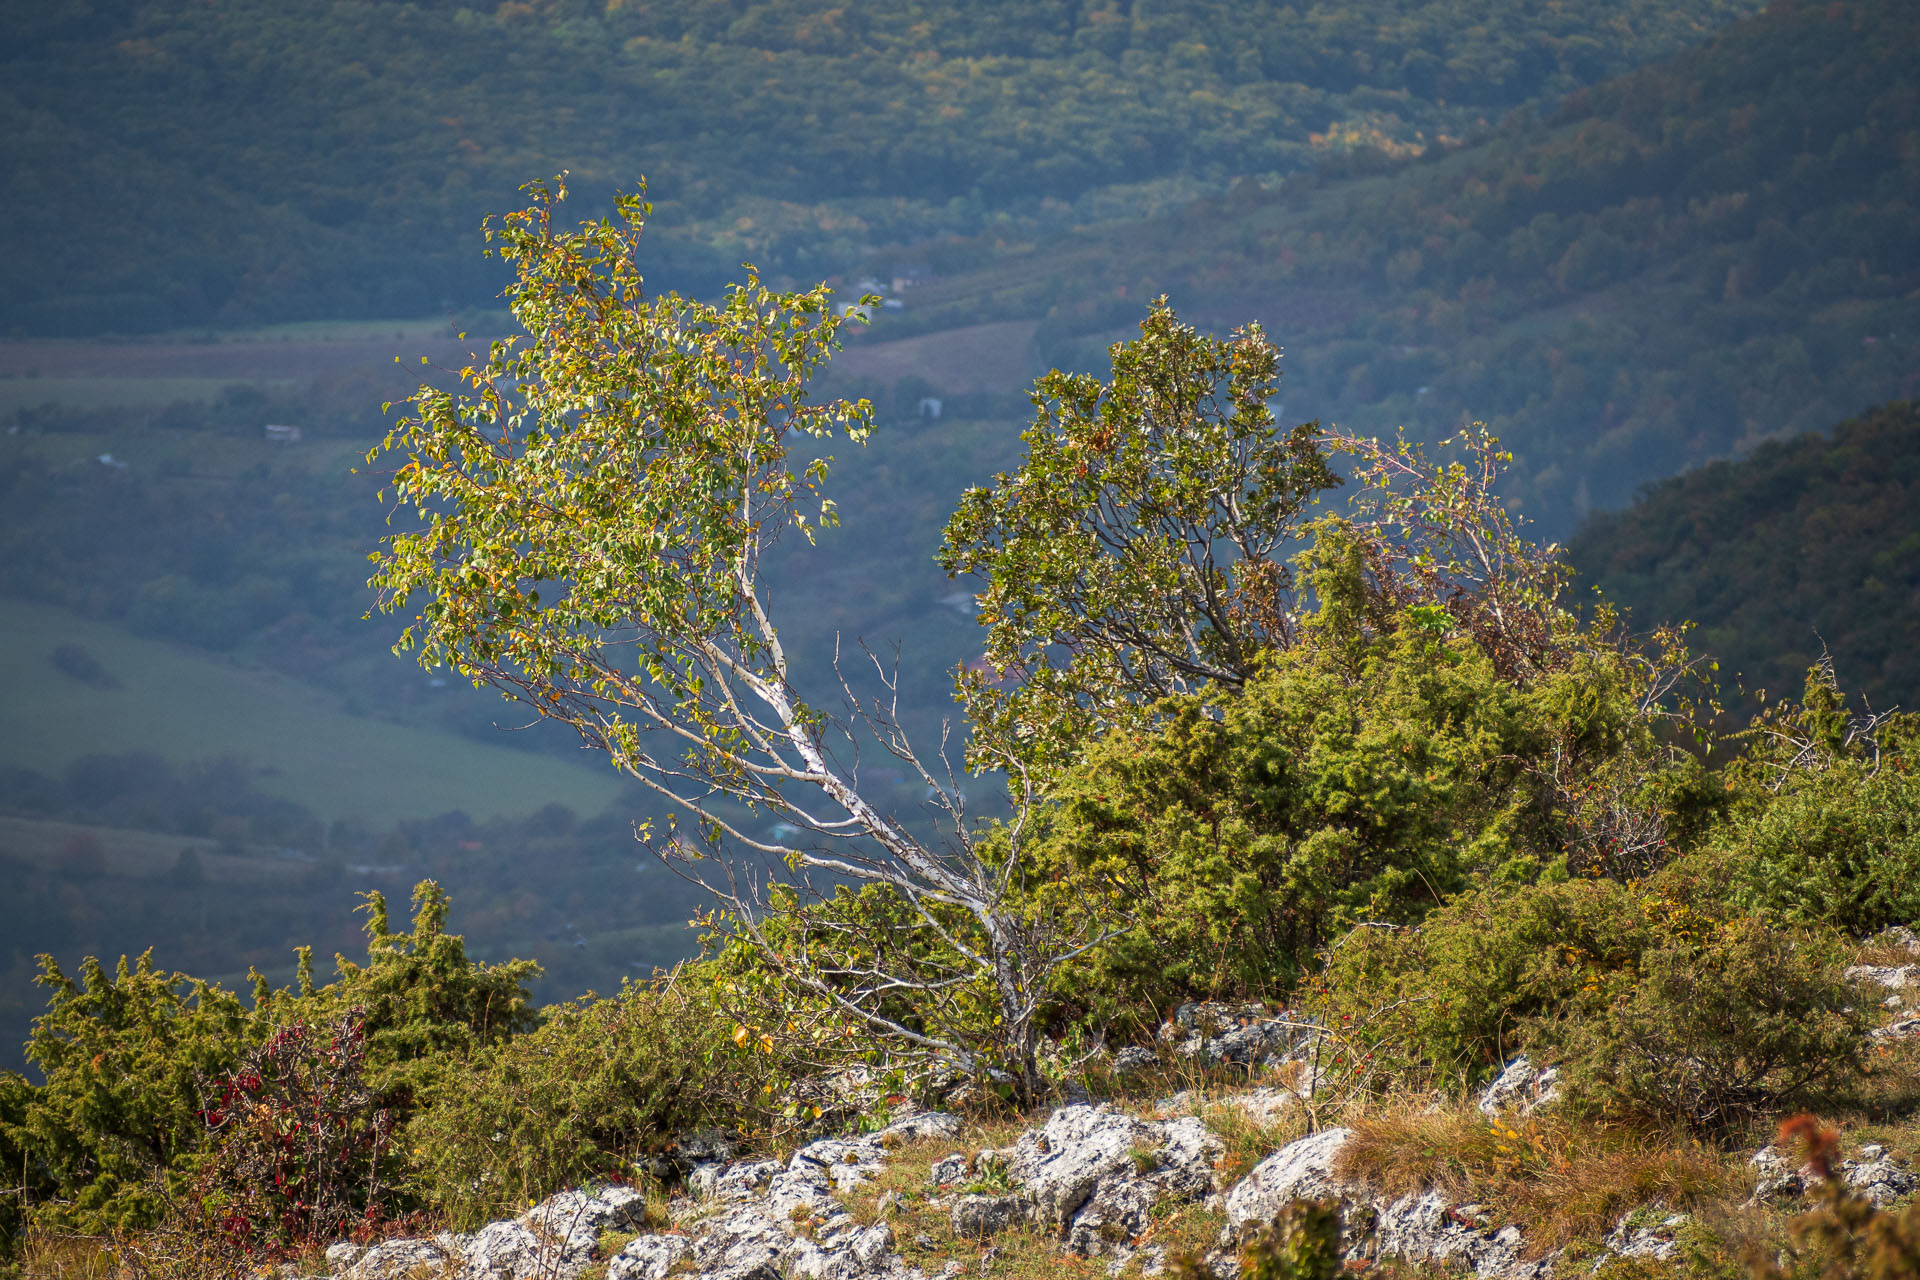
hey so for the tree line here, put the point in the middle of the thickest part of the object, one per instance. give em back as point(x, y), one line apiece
point(260, 162)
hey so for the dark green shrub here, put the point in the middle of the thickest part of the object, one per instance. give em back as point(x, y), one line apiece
point(19, 1178)
point(118, 1134)
point(602, 1083)
point(1453, 999)
point(1366, 775)
point(1826, 825)
point(425, 1003)
point(1720, 1027)
point(123, 1056)
point(1656, 1000)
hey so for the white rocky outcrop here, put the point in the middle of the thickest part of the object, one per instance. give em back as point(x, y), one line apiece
point(1874, 1173)
point(1520, 1089)
point(1422, 1227)
point(1093, 1178)
point(1220, 1033)
point(554, 1240)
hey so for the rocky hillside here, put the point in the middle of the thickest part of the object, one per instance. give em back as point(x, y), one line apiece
point(1138, 1184)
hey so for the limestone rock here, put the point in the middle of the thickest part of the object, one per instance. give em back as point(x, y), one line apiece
point(343, 1255)
point(1644, 1235)
point(1899, 1029)
point(1774, 1176)
point(1521, 1088)
point(947, 1170)
point(1892, 977)
point(574, 1220)
point(846, 1163)
point(1424, 1227)
point(977, 1217)
point(1897, 938)
point(507, 1251)
point(1301, 1170)
point(742, 1246)
point(1878, 1176)
point(1875, 1174)
point(924, 1124)
point(1118, 1212)
point(1261, 1105)
point(1093, 1174)
point(1246, 1034)
point(1058, 1166)
point(647, 1258)
point(396, 1260)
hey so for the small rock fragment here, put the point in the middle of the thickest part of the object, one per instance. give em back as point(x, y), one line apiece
point(978, 1217)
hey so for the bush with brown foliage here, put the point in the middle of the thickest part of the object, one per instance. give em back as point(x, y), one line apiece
point(303, 1149)
point(1845, 1236)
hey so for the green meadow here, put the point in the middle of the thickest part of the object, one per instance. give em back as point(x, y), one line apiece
point(185, 705)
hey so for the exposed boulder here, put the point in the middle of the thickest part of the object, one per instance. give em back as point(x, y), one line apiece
point(1774, 1176)
point(1878, 1176)
point(947, 1170)
point(922, 1124)
point(648, 1258)
point(1428, 1227)
point(1245, 1034)
point(1261, 1105)
point(575, 1219)
point(397, 1260)
point(975, 1217)
point(343, 1255)
point(1058, 1166)
point(1423, 1227)
point(1874, 1174)
point(1897, 938)
point(1647, 1233)
point(555, 1240)
point(1899, 1029)
point(1892, 977)
point(1301, 1170)
point(1092, 1175)
point(1520, 1089)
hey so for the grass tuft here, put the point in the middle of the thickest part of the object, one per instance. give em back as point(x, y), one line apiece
point(1561, 1179)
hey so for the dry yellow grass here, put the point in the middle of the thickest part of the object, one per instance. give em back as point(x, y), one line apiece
point(54, 1256)
point(1561, 1179)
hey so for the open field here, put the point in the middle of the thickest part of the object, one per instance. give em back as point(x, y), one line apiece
point(980, 357)
point(124, 852)
point(115, 393)
point(187, 706)
point(195, 367)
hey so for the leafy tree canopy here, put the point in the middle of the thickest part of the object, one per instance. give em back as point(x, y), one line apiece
point(259, 160)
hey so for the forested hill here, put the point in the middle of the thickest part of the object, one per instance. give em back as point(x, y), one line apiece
point(175, 162)
point(1807, 544)
point(1670, 268)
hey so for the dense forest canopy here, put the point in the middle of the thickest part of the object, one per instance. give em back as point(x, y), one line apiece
point(171, 163)
point(1806, 546)
point(1666, 269)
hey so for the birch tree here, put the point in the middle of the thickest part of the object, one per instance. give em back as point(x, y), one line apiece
point(590, 510)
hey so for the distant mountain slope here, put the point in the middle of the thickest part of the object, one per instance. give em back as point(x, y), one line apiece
point(1810, 541)
point(174, 162)
point(1677, 265)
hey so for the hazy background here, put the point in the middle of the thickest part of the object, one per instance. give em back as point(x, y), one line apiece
point(1636, 236)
